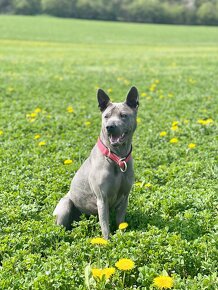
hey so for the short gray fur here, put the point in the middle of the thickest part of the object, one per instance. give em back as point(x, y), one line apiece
point(99, 185)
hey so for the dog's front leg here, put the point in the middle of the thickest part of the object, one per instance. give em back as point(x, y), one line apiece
point(103, 214)
point(120, 210)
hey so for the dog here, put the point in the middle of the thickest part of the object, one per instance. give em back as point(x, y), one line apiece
point(104, 180)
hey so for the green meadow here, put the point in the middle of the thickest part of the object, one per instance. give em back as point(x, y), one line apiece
point(50, 70)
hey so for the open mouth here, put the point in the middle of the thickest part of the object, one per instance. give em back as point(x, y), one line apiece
point(116, 140)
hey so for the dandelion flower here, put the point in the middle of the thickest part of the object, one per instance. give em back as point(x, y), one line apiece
point(87, 123)
point(174, 140)
point(174, 128)
point(68, 161)
point(205, 121)
point(70, 109)
point(37, 110)
point(99, 241)
point(143, 94)
point(97, 273)
point(175, 123)
point(37, 136)
point(163, 282)
point(138, 120)
point(42, 143)
point(163, 134)
point(108, 272)
point(191, 145)
point(138, 183)
point(33, 115)
point(148, 185)
point(109, 91)
point(125, 264)
point(1, 132)
point(100, 273)
point(152, 87)
point(123, 226)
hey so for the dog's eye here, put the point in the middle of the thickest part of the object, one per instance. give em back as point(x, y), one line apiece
point(123, 115)
point(107, 116)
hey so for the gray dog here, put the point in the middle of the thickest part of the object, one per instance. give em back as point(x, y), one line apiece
point(104, 180)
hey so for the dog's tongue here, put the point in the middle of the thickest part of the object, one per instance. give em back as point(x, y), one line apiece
point(114, 139)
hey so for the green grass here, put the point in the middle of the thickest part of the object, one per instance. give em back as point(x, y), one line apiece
point(54, 63)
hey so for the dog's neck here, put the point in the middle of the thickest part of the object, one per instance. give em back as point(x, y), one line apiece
point(120, 150)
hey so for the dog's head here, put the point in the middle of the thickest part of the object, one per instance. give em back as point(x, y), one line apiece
point(118, 119)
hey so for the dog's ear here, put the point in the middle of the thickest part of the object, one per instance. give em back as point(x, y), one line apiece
point(132, 99)
point(103, 100)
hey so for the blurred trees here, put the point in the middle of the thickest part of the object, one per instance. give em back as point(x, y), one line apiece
point(149, 11)
point(26, 7)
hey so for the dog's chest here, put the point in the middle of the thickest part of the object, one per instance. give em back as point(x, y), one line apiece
point(120, 185)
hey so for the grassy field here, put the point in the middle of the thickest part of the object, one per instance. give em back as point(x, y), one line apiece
point(49, 72)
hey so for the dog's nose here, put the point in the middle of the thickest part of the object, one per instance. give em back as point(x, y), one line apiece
point(110, 128)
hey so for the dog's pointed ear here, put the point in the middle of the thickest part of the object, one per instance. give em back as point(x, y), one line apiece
point(132, 99)
point(103, 100)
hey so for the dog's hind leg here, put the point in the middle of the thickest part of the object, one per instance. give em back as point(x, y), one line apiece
point(66, 213)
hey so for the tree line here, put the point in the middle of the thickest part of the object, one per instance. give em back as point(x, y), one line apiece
point(202, 12)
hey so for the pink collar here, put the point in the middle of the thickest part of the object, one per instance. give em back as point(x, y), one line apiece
point(121, 162)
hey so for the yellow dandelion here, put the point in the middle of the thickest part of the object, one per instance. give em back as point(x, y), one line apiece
point(175, 123)
point(205, 121)
point(175, 128)
point(163, 134)
point(109, 91)
point(152, 87)
point(100, 273)
point(87, 123)
point(42, 143)
point(68, 161)
point(99, 241)
point(148, 185)
point(174, 140)
point(32, 115)
point(138, 184)
point(138, 120)
point(123, 226)
point(163, 282)
point(1, 132)
point(37, 136)
point(70, 109)
point(125, 264)
point(97, 273)
point(108, 272)
point(37, 110)
point(143, 94)
point(191, 145)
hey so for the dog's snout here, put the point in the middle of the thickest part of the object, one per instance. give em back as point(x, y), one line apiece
point(111, 128)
